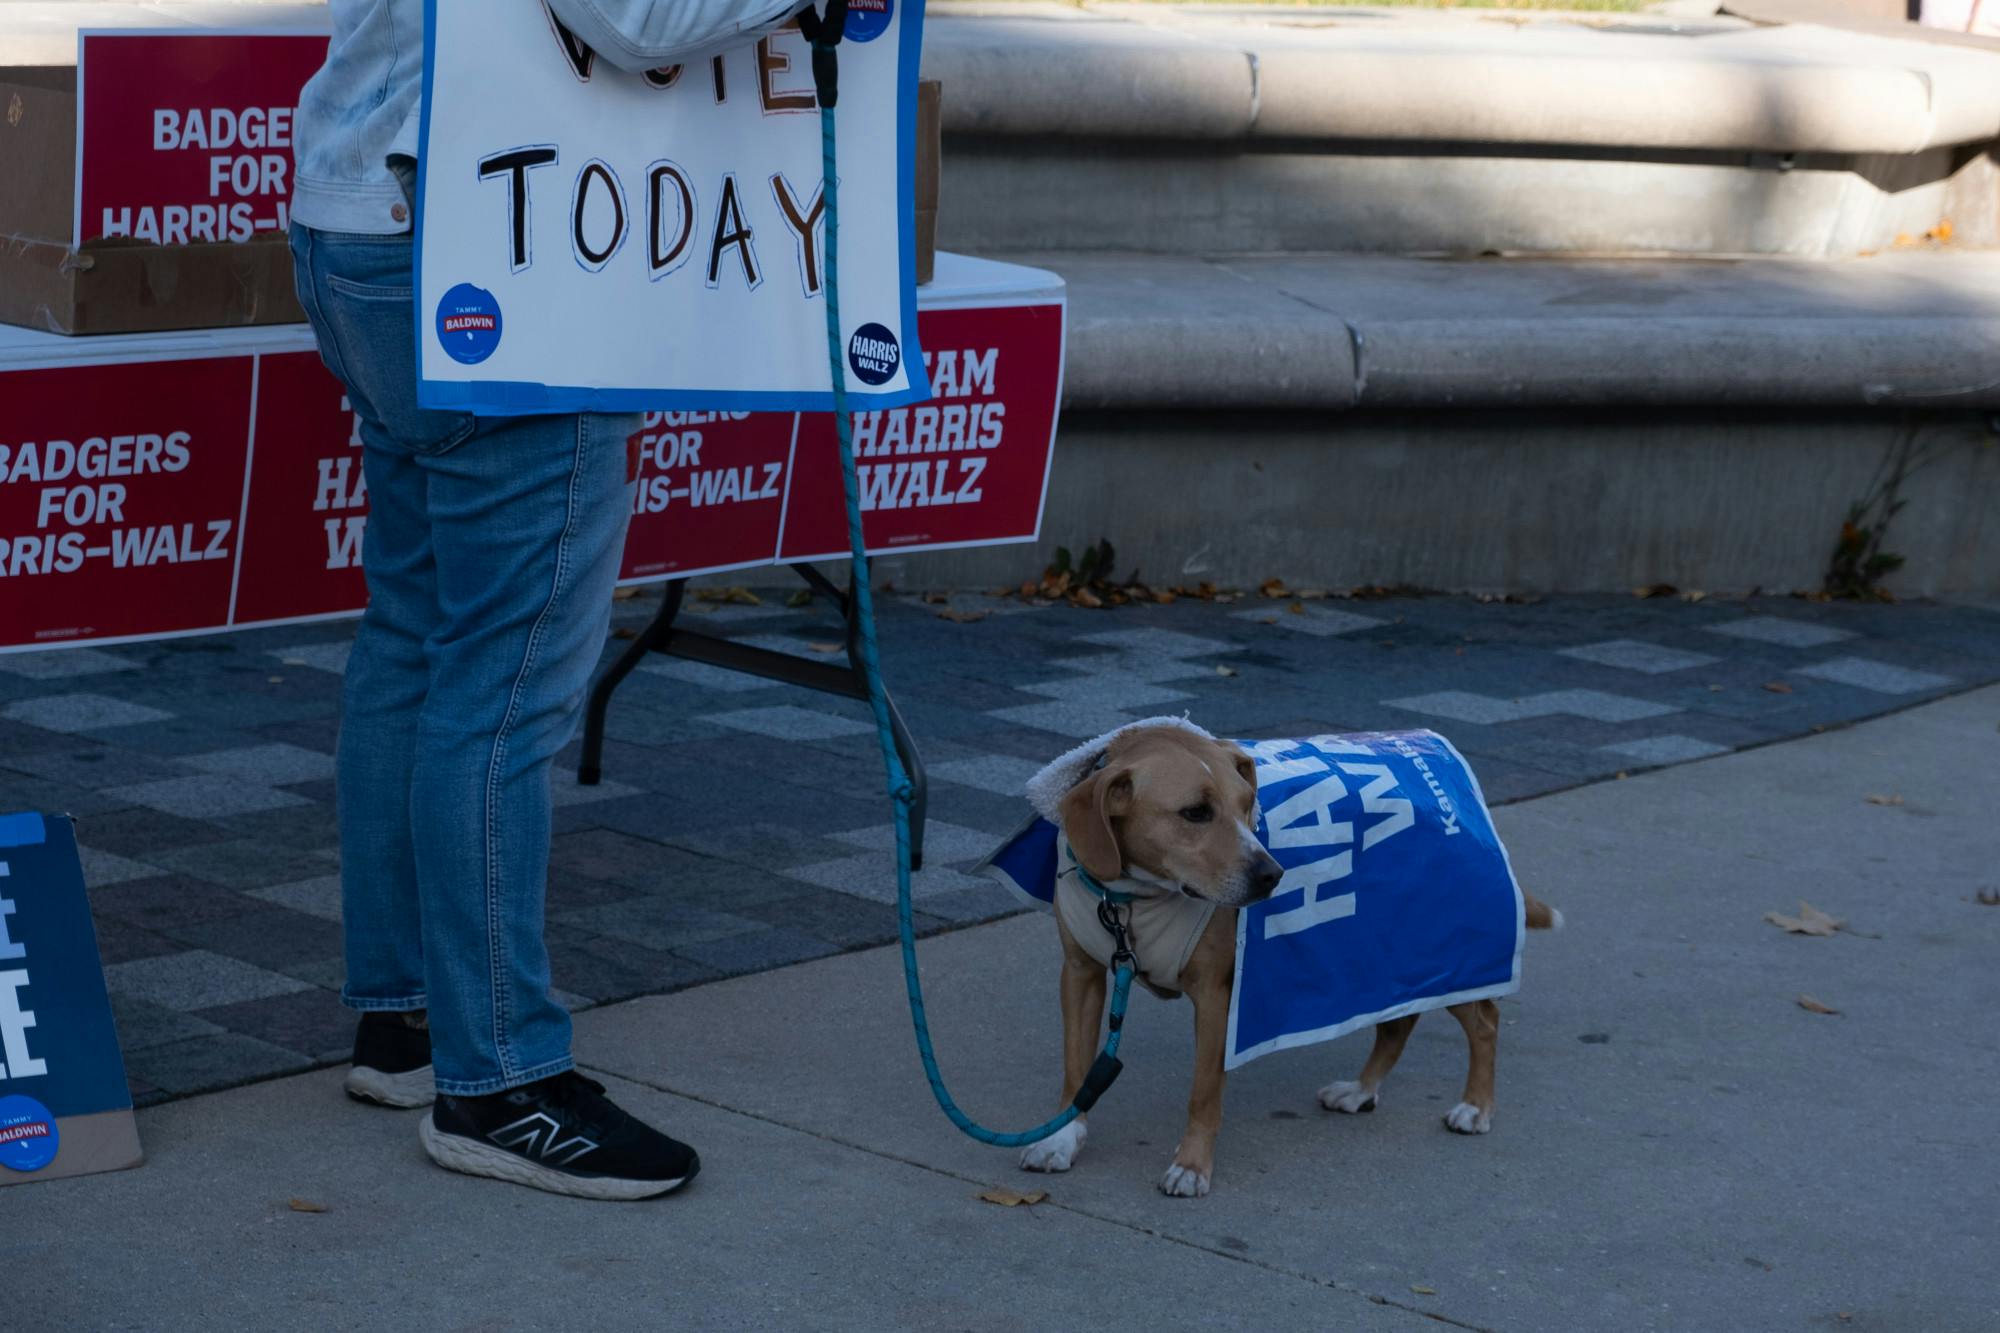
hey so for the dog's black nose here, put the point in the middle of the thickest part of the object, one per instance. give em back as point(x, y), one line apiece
point(1264, 876)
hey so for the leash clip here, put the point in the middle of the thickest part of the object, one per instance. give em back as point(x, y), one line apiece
point(1121, 944)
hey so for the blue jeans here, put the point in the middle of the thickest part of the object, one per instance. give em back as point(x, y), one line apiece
point(491, 549)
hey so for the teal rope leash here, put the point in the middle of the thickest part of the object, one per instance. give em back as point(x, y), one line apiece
point(824, 34)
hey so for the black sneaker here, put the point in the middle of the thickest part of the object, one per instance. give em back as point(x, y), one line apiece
point(392, 1061)
point(562, 1135)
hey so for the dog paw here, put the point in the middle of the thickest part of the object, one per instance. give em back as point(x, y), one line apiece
point(1351, 1098)
point(1184, 1182)
point(1465, 1118)
point(1057, 1151)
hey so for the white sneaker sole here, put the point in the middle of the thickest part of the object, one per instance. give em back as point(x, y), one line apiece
point(456, 1153)
point(418, 1087)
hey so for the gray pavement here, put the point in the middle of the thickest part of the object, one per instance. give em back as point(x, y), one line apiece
point(1678, 1143)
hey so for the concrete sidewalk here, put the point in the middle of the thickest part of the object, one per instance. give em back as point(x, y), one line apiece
point(1678, 1143)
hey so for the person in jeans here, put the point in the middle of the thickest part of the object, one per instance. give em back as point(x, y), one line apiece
point(492, 548)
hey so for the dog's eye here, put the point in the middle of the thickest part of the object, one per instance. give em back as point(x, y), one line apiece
point(1198, 814)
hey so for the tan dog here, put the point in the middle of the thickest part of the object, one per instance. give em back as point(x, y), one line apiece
point(1173, 812)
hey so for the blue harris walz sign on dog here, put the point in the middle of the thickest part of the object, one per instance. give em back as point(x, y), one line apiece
point(1397, 896)
point(65, 1109)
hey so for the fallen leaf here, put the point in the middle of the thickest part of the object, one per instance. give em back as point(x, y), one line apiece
point(1809, 921)
point(1225, 670)
point(937, 598)
point(957, 617)
point(1656, 590)
point(1013, 1198)
point(1777, 687)
point(818, 647)
point(303, 1206)
point(1883, 800)
point(1297, 608)
point(1693, 595)
point(804, 597)
point(624, 632)
point(1621, 775)
point(1990, 897)
point(274, 680)
point(1086, 598)
point(1272, 588)
point(1423, 1291)
point(624, 594)
point(1812, 1006)
point(736, 596)
point(1715, 689)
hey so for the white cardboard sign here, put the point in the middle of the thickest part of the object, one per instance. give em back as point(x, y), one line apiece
point(591, 239)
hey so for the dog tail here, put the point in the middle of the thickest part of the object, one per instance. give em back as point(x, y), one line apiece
point(1539, 915)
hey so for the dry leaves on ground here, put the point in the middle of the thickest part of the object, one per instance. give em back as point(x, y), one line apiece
point(957, 617)
point(1423, 1291)
point(1883, 800)
point(1777, 687)
point(1809, 921)
point(304, 1206)
point(824, 647)
point(1812, 1006)
point(1223, 670)
point(1990, 897)
point(733, 596)
point(802, 597)
point(1007, 1198)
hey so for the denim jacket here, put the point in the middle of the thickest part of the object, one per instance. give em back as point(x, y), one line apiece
point(365, 104)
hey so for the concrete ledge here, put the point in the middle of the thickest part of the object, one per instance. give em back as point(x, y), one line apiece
point(1336, 332)
point(1616, 82)
point(1161, 333)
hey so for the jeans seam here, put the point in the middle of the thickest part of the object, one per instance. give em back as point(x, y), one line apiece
point(369, 1005)
point(502, 1047)
point(317, 310)
point(483, 1087)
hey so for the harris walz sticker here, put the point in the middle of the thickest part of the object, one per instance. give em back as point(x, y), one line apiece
point(874, 354)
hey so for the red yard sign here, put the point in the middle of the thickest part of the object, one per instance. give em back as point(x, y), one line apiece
point(121, 491)
point(711, 492)
point(186, 138)
point(308, 506)
point(968, 468)
point(147, 497)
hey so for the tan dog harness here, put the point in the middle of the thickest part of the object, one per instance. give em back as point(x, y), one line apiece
point(1163, 926)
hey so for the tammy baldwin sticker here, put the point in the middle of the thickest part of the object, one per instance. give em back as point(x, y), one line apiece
point(468, 323)
point(28, 1137)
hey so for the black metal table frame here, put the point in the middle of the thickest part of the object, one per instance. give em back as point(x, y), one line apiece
point(663, 635)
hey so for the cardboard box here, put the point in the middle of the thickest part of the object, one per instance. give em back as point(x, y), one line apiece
point(109, 285)
point(929, 139)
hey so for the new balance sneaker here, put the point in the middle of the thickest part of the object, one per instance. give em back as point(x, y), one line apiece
point(392, 1061)
point(562, 1135)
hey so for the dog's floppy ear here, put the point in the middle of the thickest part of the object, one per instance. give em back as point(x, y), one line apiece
point(1246, 767)
point(1087, 813)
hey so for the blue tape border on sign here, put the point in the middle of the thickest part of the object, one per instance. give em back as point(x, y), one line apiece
point(23, 830)
point(519, 398)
